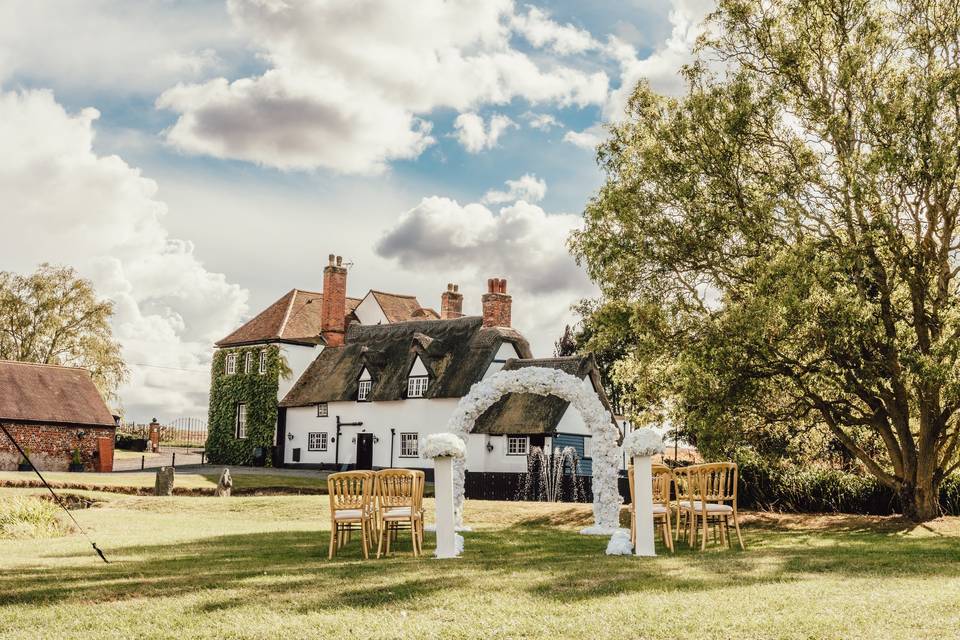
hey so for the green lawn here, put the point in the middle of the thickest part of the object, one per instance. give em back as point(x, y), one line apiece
point(256, 567)
point(184, 481)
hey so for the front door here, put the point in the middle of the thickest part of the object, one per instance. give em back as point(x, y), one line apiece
point(364, 451)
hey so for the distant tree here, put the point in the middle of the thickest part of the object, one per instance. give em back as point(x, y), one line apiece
point(566, 345)
point(794, 218)
point(52, 316)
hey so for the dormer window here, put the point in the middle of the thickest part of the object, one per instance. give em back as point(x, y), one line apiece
point(418, 380)
point(364, 386)
point(417, 386)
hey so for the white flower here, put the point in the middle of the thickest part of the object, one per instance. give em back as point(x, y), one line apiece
point(643, 442)
point(444, 445)
point(620, 544)
point(542, 381)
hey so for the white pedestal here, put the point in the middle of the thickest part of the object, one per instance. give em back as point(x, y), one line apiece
point(443, 492)
point(643, 509)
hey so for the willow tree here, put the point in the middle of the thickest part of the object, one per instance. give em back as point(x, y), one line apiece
point(52, 316)
point(795, 216)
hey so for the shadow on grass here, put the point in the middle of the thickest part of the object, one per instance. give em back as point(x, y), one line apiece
point(290, 569)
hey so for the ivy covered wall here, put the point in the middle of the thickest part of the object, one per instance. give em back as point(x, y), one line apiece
point(257, 390)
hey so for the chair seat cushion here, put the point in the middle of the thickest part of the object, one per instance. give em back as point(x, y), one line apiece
point(396, 512)
point(711, 507)
point(659, 509)
point(347, 514)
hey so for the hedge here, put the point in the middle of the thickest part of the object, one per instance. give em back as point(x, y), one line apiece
point(790, 488)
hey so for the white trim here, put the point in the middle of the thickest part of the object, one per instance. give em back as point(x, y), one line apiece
point(526, 445)
point(323, 441)
point(363, 390)
point(240, 421)
point(416, 443)
point(262, 364)
point(286, 315)
point(248, 362)
point(325, 412)
point(231, 366)
point(417, 386)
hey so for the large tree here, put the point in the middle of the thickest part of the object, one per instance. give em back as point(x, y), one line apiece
point(794, 216)
point(52, 316)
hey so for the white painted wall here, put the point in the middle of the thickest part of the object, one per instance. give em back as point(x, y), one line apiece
point(504, 353)
point(369, 311)
point(298, 359)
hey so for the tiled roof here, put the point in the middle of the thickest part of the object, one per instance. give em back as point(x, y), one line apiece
point(295, 317)
point(456, 352)
point(400, 308)
point(50, 394)
point(529, 413)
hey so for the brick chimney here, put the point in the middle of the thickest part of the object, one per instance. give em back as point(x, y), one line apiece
point(451, 303)
point(496, 304)
point(334, 308)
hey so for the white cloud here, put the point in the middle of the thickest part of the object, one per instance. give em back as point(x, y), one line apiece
point(101, 216)
point(521, 240)
point(542, 121)
point(588, 139)
point(661, 68)
point(357, 77)
point(116, 45)
point(537, 27)
point(475, 136)
point(527, 187)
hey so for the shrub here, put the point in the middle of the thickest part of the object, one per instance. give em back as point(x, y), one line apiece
point(790, 488)
point(24, 517)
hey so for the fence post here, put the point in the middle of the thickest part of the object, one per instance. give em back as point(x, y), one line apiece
point(142, 459)
point(173, 460)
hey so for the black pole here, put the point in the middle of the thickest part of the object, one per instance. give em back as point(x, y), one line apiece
point(393, 434)
point(336, 447)
point(173, 460)
point(143, 460)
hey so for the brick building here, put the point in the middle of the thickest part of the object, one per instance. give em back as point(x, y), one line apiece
point(52, 411)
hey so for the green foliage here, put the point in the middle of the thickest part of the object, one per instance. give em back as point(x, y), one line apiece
point(24, 517)
point(791, 488)
point(52, 316)
point(793, 221)
point(257, 390)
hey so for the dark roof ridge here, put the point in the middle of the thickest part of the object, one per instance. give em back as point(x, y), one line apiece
point(44, 364)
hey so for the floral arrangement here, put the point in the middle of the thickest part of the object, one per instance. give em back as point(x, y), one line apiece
point(441, 445)
point(620, 544)
point(542, 381)
point(643, 442)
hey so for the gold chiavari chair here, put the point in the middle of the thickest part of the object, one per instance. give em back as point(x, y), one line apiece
point(398, 506)
point(351, 508)
point(715, 501)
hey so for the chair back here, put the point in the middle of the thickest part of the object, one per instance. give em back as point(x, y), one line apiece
point(350, 490)
point(418, 493)
point(718, 482)
point(397, 488)
point(662, 480)
point(686, 480)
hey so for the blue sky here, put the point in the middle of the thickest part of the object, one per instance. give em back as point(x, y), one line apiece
point(235, 144)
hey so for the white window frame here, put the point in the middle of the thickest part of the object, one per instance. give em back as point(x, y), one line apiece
point(517, 439)
point(405, 438)
point(587, 447)
point(231, 364)
point(417, 386)
point(241, 421)
point(317, 441)
point(363, 390)
point(322, 410)
point(248, 362)
point(263, 361)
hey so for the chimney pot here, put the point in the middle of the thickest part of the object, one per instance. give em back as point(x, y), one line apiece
point(339, 260)
point(331, 258)
point(496, 304)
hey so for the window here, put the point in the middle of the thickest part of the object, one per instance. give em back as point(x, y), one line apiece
point(363, 392)
point(241, 420)
point(317, 441)
point(248, 362)
point(321, 409)
point(417, 386)
point(409, 445)
point(231, 364)
point(263, 362)
point(516, 445)
point(587, 447)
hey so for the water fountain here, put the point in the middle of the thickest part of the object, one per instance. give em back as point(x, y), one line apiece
point(549, 473)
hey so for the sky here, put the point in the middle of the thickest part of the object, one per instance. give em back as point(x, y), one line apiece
point(197, 159)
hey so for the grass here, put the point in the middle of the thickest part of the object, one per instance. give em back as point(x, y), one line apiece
point(32, 518)
point(140, 481)
point(256, 567)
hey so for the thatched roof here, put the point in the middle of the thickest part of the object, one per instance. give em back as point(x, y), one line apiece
point(48, 394)
point(532, 414)
point(456, 353)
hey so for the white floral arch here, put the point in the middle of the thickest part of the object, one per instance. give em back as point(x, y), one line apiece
point(542, 381)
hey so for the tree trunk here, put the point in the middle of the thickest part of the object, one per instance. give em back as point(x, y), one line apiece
point(920, 500)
